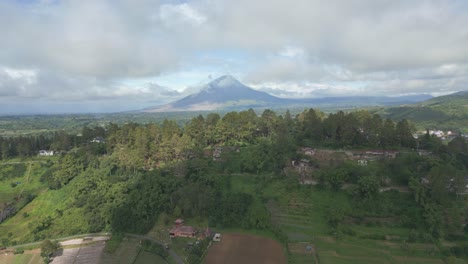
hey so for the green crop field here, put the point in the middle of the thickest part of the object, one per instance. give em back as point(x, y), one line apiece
point(300, 214)
point(149, 258)
point(126, 252)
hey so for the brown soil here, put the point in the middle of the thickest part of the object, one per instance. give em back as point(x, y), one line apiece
point(246, 249)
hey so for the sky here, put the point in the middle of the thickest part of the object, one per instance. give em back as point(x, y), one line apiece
point(118, 55)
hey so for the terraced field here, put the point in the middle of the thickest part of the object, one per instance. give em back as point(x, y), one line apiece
point(301, 219)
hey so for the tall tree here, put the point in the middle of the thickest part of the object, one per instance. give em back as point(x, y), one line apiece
point(404, 135)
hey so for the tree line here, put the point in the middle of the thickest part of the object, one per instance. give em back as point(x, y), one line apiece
point(153, 144)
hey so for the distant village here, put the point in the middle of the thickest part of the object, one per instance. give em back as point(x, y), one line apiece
point(443, 135)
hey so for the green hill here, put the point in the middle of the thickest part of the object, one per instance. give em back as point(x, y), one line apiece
point(448, 112)
point(455, 104)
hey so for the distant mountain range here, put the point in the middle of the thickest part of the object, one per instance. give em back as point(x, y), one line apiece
point(227, 93)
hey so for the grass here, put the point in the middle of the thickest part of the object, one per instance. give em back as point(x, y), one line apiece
point(301, 258)
point(126, 252)
point(28, 257)
point(179, 245)
point(26, 173)
point(44, 205)
point(257, 232)
point(149, 258)
point(47, 203)
point(352, 250)
point(113, 243)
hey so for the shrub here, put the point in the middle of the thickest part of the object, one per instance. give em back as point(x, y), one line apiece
point(18, 251)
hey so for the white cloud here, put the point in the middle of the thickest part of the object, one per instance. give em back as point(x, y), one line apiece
point(292, 52)
point(80, 49)
point(180, 13)
point(307, 89)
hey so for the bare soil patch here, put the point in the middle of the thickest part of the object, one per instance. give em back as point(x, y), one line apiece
point(247, 249)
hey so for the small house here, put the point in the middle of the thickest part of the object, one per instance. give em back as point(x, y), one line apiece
point(183, 231)
point(43, 152)
point(179, 230)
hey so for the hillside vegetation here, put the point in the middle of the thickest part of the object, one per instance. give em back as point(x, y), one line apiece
point(236, 172)
point(449, 112)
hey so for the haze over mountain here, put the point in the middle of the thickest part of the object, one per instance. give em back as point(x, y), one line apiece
point(226, 92)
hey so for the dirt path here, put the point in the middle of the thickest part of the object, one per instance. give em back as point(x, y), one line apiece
point(27, 178)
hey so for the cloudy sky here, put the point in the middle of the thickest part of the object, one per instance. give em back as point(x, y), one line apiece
point(115, 55)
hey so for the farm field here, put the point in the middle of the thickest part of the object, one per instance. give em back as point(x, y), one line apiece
point(300, 213)
point(129, 252)
point(28, 257)
point(149, 258)
point(125, 253)
point(243, 248)
point(301, 218)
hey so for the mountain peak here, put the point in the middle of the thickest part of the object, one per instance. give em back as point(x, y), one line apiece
point(224, 82)
point(222, 92)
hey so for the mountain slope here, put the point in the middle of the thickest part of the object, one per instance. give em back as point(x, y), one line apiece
point(223, 92)
point(452, 104)
point(228, 93)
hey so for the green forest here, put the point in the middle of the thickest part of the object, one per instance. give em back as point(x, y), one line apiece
point(239, 171)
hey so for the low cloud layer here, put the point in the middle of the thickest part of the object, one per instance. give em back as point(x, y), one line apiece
point(80, 51)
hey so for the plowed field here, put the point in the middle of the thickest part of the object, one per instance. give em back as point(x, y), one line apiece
point(246, 249)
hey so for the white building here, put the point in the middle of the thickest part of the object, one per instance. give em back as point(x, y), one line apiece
point(46, 152)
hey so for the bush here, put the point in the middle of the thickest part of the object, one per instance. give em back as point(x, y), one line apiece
point(18, 251)
point(48, 248)
point(113, 243)
point(334, 216)
point(413, 236)
point(348, 231)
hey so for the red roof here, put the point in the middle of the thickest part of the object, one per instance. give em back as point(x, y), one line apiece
point(187, 229)
point(183, 231)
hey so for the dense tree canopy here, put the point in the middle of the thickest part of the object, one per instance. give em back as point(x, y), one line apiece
point(139, 172)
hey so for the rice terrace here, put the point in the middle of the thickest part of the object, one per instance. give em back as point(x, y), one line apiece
point(243, 248)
